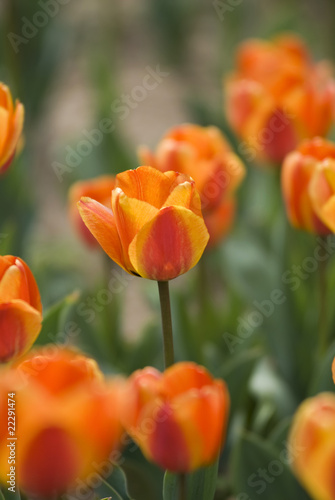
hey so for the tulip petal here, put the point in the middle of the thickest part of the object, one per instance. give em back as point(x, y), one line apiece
point(14, 285)
point(48, 474)
point(146, 184)
point(203, 415)
point(20, 325)
point(4, 128)
point(14, 132)
point(130, 216)
point(185, 195)
point(169, 245)
point(101, 222)
point(183, 377)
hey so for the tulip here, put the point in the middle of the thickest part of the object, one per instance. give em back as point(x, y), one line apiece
point(312, 446)
point(98, 189)
point(204, 154)
point(322, 188)
point(178, 418)
point(155, 228)
point(304, 185)
point(278, 96)
point(67, 422)
point(11, 125)
point(20, 308)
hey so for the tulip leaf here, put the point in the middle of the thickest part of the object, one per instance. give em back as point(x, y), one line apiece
point(201, 484)
point(322, 380)
point(260, 470)
point(115, 485)
point(5, 494)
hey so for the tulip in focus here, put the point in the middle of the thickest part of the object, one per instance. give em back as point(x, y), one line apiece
point(308, 186)
point(67, 421)
point(277, 96)
point(178, 418)
point(11, 125)
point(312, 445)
point(20, 308)
point(204, 154)
point(155, 228)
point(98, 189)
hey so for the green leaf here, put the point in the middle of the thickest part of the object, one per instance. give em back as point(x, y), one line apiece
point(5, 494)
point(115, 485)
point(259, 470)
point(200, 485)
point(322, 379)
point(171, 486)
point(54, 320)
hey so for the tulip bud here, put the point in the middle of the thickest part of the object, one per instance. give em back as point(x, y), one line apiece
point(67, 422)
point(20, 308)
point(178, 418)
point(306, 190)
point(11, 125)
point(312, 439)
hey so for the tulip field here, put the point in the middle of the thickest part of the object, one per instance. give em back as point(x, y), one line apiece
point(167, 220)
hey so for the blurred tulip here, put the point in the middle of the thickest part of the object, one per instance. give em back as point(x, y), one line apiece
point(204, 154)
point(67, 421)
point(305, 185)
point(20, 308)
point(178, 418)
point(11, 125)
point(99, 189)
point(155, 228)
point(278, 96)
point(312, 446)
point(322, 187)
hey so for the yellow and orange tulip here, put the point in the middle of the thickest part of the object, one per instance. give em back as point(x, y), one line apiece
point(20, 308)
point(204, 154)
point(11, 125)
point(307, 186)
point(155, 228)
point(98, 189)
point(312, 446)
point(67, 421)
point(178, 418)
point(278, 96)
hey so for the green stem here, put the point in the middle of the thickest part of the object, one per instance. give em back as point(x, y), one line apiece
point(164, 297)
point(182, 495)
point(322, 328)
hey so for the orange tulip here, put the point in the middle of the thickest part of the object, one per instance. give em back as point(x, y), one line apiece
point(204, 154)
point(178, 418)
point(278, 96)
point(98, 189)
point(20, 308)
point(67, 421)
point(312, 445)
point(11, 125)
point(305, 188)
point(322, 188)
point(155, 228)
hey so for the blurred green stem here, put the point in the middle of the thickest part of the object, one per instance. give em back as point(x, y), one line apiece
point(164, 297)
point(322, 328)
point(182, 495)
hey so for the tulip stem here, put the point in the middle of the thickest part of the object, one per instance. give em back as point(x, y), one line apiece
point(164, 297)
point(182, 487)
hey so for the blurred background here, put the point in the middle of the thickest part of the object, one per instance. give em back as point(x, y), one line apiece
point(76, 63)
